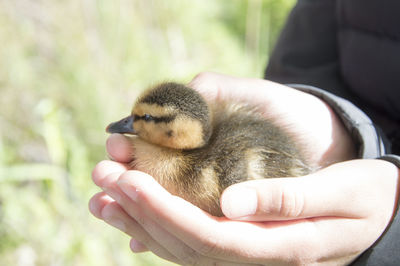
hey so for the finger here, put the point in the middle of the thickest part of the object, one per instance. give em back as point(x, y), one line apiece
point(167, 240)
point(104, 168)
point(115, 216)
point(105, 208)
point(216, 86)
point(137, 246)
point(243, 242)
point(207, 84)
point(171, 221)
point(337, 191)
point(97, 203)
point(119, 148)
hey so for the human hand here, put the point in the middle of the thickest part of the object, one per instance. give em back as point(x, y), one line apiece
point(321, 135)
point(328, 217)
point(277, 232)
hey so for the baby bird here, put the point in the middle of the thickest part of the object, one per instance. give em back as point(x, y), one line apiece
point(196, 150)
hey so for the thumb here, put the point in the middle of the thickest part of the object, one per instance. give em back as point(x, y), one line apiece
point(266, 200)
point(342, 190)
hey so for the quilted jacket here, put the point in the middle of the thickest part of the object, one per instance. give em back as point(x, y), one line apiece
point(350, 50)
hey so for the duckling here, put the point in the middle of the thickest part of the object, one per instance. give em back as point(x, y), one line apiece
point(195, 149)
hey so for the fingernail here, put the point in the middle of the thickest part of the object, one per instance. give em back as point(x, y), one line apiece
point(137, 246)
point(113, 194)
point(128, 189)
point(238, 202)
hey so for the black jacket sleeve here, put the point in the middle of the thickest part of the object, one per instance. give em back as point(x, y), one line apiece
point(370, 144)
point(307, 53)
point(385, 251)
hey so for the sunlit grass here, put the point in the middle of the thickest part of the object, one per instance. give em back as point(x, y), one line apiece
point(70, 67)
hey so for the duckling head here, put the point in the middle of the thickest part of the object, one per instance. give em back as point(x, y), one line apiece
point(170, 115)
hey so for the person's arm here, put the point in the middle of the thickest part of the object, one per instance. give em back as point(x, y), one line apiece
point(294, 220)
point(307, 53)
point(370, 144)
point(313, 220)
point(385, 249)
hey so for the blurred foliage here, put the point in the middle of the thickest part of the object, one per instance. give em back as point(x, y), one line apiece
point(67, 68)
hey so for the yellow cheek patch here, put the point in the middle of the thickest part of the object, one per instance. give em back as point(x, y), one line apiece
point(154, 132)
point(182, 133)
point(187, 133)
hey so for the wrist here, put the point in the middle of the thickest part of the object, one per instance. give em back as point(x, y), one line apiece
point(367, 141)
point(316, 127)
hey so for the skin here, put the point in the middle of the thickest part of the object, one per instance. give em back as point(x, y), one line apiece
point(268, 222)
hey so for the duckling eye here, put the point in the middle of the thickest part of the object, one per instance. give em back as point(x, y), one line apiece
point(148, 118)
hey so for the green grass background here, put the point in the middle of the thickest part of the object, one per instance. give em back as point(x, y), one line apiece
point(68, 68)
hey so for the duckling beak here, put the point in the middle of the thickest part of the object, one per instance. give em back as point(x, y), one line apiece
point(123, 126)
